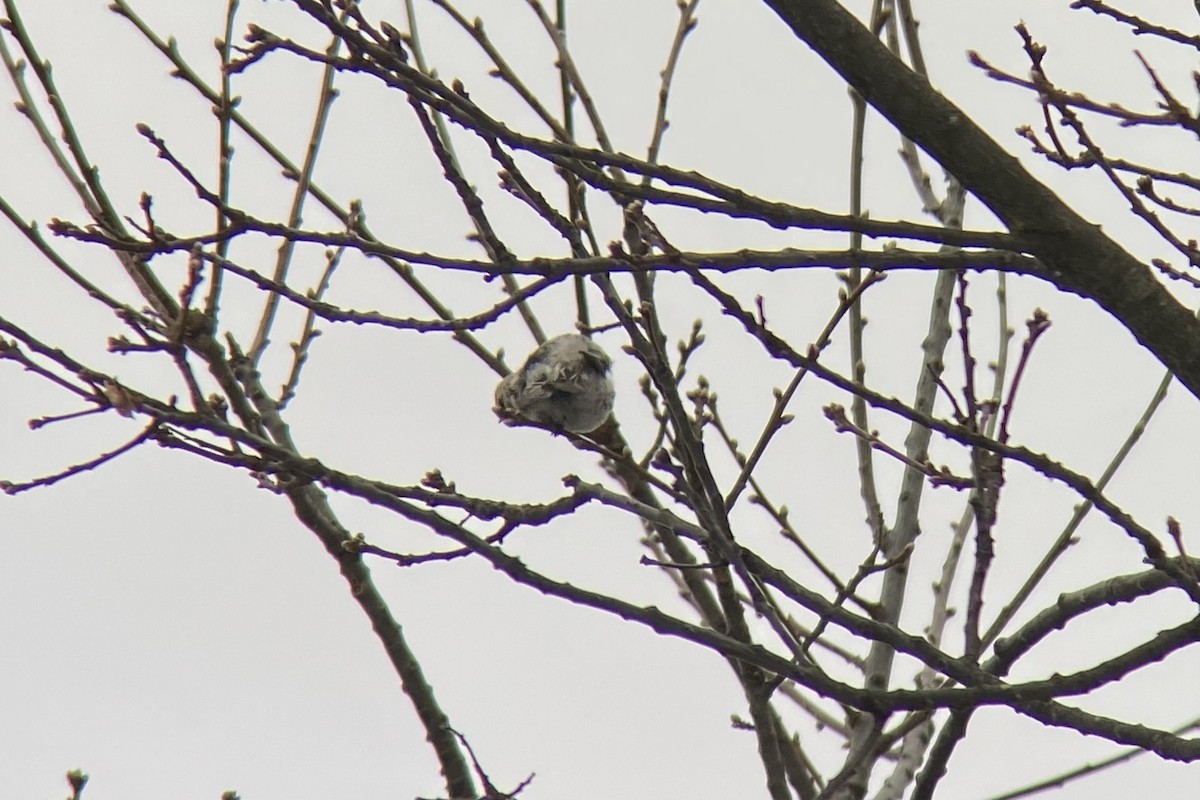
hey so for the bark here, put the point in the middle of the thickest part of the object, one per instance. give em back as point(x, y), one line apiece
point(1076, 255)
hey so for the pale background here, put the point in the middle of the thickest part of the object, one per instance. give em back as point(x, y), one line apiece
point(173, 631)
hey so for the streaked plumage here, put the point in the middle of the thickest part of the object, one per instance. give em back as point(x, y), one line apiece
point(565, 383)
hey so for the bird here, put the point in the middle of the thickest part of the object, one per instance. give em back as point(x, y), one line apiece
point(564, 384)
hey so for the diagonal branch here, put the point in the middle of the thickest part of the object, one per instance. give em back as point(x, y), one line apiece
point(1080, 258)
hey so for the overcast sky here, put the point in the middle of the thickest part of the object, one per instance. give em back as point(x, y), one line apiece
point(172, 630)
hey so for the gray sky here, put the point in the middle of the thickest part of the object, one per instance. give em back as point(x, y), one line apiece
point(172, 630)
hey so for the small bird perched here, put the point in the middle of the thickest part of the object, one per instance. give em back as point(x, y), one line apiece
point(564, 384)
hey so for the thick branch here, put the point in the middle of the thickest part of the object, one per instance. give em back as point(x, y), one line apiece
point(1079, 258)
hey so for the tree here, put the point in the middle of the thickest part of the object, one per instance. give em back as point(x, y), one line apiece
point(746, 424)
